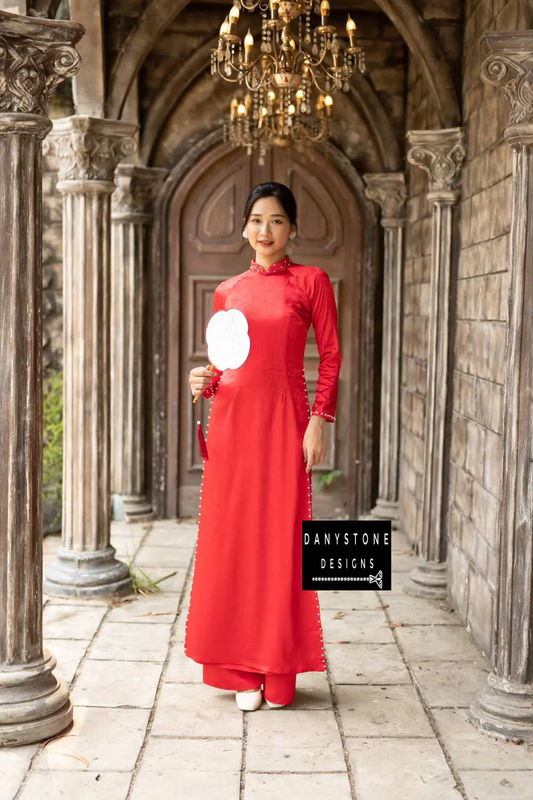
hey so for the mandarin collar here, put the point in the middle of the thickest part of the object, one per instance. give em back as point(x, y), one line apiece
point(278, 266)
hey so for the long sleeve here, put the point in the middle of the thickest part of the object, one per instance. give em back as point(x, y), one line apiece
point(218, 305)
point(324, 321)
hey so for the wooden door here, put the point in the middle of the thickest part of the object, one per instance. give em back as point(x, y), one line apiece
point(205, 248)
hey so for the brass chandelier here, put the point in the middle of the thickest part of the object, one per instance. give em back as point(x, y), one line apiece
point(282, 79)
point(283, 121)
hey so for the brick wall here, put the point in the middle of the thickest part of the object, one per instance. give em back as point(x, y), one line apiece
point(481, 312)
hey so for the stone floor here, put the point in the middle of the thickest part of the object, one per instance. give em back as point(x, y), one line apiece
point(388, 721)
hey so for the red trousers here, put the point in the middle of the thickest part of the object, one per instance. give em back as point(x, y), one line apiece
point(278, 687)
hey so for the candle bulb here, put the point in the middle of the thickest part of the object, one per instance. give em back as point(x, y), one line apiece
point(350, 29)
point(241, 110)
point(274, 8)
point(328, 102)
point(233, 18)
point(299, 98)
point(324, 11)
point(233, 108)
point(224, 28)
point(248, 46)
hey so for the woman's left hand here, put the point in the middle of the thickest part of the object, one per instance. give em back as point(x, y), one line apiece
point(314, 443)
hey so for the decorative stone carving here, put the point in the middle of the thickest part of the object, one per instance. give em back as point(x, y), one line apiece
point(34, 57)
point(387, 189)
point(504, 707)
point(440, 153)
point(132, 211)
point(389, 192)
point(510, 66)
point(90, 149)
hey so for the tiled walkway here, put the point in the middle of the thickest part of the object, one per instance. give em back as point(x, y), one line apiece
point(387, 722)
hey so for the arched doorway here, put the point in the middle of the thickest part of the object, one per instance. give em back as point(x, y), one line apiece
point(203, 246)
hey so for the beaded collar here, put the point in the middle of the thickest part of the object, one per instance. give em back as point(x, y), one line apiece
point(277, 266)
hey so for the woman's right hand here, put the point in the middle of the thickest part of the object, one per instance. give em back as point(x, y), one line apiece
point(199, 379)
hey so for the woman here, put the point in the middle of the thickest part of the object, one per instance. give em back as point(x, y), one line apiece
point(249, 622)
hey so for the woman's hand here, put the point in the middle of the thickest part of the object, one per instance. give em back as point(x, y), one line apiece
point(314, 442)
point(199, 379)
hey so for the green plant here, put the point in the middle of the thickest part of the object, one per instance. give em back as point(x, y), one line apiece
point(53, 436)
point(142, 583)
point(326, 478)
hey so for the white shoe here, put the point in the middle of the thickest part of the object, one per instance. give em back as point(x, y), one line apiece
point(249, 701)
point(276, 705)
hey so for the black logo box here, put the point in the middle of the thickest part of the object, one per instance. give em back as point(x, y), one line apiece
point(351, 554)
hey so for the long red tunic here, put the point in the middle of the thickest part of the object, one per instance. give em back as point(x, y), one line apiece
point(247, 609)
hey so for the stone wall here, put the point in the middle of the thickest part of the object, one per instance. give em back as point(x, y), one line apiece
point(481, 311)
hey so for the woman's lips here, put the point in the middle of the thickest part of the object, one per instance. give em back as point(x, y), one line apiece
point(263, 242)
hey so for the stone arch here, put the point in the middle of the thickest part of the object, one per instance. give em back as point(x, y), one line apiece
point(159, 14)
point(362, 95)
point(159, 279)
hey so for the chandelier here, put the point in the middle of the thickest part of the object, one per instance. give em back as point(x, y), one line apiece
point(296, 60)
point(286, 119)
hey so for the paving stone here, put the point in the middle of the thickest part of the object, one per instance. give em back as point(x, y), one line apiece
point(170, 755)
point(417, 767)
point(333, 786)
point(108, 738)
point(403, 560)
point(79, 785)
point(129, 530)
point(51, 543)
point(470, 749)
point(436, 642)
point(14, 762)
point(181, 668)
point(72, 622)
point(363, 600)
point(172, 537)
point(131, 641)
point(125, 548)
point(366, 663)
point(160, 609)
point(382, 711)
point(164, 557)
point(117, 683)
point(420, 611)
point(496, 785)
point(450, 684)
point(193, 785)
point(288, 740)
point(187, 709)
point(358, 627)
point(69, 653)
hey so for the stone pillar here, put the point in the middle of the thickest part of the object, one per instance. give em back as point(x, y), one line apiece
point(388, 191)
point(505, 706)
point(441, 154)
point(132, 212)
point(87, 150)
point(35, 56)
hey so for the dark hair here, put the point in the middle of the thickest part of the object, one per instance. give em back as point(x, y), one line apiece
point(282, 194)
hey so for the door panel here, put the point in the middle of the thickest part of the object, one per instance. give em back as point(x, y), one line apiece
point(205, 248)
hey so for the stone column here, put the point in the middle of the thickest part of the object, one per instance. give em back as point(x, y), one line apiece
point(87, 150)
point(441, 154)
point(505, 706)
point(388, 191)
point(35, 56)
point(132, 213)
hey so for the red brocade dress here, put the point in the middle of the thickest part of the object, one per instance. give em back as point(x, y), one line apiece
point(247, 610)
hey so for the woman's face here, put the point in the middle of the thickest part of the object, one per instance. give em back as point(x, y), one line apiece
point(268, 227)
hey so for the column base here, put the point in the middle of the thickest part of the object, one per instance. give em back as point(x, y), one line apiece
point(34, 704)
point(504, 709)
point(132, 508)
point(428, 579)
point(87, 574)
point(385, 510)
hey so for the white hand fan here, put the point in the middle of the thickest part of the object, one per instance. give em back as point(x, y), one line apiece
point(228, 342)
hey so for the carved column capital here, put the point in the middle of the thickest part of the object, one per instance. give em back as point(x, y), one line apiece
point(35, 56)
point(137, 190)
point(89, 148)
point(441, 154)
point(510, 67)
point(387, 189)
